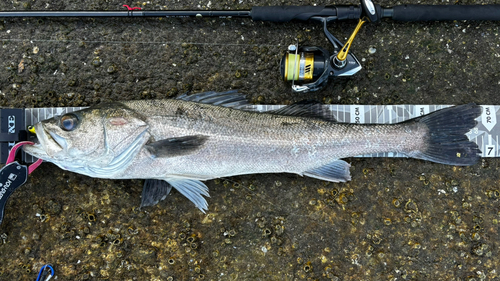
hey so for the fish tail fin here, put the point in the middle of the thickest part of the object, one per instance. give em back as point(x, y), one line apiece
point(446, 139)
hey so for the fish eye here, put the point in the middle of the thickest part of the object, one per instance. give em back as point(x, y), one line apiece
point(68, 122)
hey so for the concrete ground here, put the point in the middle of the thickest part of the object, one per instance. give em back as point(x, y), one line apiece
point(398, 219)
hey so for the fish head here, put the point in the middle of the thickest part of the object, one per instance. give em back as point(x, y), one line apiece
point(93, 137)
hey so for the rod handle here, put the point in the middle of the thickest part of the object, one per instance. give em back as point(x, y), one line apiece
point(445, 12)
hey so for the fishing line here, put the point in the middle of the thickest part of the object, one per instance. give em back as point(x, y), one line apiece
point(138, 42)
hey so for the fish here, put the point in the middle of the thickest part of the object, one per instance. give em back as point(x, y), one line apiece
point(180, 143)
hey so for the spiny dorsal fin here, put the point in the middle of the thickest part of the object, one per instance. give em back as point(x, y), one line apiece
point(231, 99)
point(172, 147)
point(307, 108)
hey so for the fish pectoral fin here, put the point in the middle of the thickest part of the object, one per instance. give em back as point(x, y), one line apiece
point(231, 99)
point(176, 146)
point(337, 171)
point(194, 190)
point(154, 191)
point(306, 108)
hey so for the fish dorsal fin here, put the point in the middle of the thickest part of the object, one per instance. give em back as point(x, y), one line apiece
point(179, 146)
point(337, 171)
point(193, 190)
point(306, 108)
point(154, 191)
point(231, 99)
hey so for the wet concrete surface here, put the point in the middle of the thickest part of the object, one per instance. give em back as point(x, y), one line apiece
point(398, 219)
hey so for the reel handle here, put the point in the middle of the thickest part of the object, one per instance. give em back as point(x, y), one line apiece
point(444, 12)
point(303, 13)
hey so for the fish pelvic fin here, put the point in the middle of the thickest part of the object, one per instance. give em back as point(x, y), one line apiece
point(154, 191)
point(337, 171)
point(194, 190)
point(446, 142)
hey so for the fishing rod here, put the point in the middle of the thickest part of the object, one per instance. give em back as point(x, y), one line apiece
point(309, 68)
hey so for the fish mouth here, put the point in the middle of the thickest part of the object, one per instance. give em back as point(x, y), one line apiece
point(47, 143)
point(59, 140)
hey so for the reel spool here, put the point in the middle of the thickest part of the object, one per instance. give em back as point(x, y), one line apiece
point(309, 67)
point(304, 66)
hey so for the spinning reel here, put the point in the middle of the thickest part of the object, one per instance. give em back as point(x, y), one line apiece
point(310, 67)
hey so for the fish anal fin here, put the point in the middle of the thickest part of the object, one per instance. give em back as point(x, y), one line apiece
point(194, 190)
point(337, 171)
point(179, 146)
point(306, 108)
point(154, 191)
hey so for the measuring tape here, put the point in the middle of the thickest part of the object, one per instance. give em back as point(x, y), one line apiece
point(14, 121)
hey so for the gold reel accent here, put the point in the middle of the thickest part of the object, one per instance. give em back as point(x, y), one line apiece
point(342, 55)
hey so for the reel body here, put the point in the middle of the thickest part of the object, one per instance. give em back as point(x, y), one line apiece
point(309, 68)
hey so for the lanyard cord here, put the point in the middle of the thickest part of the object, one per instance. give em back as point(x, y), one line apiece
point(12, 155)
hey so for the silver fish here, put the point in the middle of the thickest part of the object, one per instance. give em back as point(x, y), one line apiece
point(181, 142)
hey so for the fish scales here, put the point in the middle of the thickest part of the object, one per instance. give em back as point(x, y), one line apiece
point(244, 142)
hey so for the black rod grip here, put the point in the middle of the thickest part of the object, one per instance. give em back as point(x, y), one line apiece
point(288, 13)
point(445, 12)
